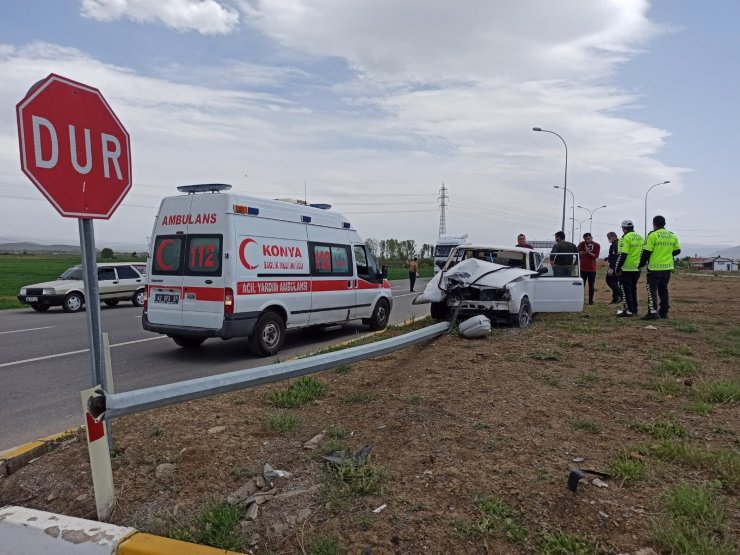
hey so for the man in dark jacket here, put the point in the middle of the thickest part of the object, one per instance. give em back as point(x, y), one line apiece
point(562, 256)
point(611, 260)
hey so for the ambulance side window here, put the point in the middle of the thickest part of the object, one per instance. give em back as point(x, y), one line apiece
point(332, 260)
point(168, 251)
point(367, 267)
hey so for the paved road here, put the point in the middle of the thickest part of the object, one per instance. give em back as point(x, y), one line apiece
point(44, 361)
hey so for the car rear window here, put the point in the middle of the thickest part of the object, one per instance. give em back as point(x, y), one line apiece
point(127, 272)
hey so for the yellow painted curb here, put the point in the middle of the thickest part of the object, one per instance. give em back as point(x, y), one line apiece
point(17, 457)
point(147, 544)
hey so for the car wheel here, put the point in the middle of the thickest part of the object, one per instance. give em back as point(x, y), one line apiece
point(188, 342)
point(379, 319)
point(439, 311)
point(40, 307)
point(73, 302)
point(268, 335)
point(523, 318)
point(111, 302)
point(138, 298)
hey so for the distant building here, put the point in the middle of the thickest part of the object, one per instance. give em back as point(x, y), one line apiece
point(713, 264)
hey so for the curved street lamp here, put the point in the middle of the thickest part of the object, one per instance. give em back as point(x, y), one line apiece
point(573, 210)
point(580, 225)
point(591, 216)
point(565, 178)
point(646, 194)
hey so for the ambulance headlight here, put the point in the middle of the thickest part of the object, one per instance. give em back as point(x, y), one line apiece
point(48, 291)
point(23, 291)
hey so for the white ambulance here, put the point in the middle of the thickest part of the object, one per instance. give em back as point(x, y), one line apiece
point(226, 265)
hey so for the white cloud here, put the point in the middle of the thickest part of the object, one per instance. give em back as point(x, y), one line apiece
point(207, 17)
point(429, 92)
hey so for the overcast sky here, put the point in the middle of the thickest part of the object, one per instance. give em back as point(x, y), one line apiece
point(373, 104)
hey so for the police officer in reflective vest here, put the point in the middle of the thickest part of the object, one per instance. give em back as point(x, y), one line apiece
point(628, 267)
point(661, 246)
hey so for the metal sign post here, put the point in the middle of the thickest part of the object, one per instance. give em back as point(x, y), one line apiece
point(92, 300)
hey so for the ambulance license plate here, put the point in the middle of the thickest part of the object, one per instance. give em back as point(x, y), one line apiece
point(32, 299)
point(166, 298)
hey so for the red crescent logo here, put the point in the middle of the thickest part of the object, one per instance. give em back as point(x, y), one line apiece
point(243, 256)
point(160, 250)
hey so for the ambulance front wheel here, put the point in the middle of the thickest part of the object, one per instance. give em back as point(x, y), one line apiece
point(379, 319)
point(188, 342)
point(268, 335)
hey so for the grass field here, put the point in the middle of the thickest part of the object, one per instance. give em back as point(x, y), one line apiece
point(403, 273)
point(17, 271)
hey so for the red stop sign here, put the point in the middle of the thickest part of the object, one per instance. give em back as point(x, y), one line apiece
point(74, 148)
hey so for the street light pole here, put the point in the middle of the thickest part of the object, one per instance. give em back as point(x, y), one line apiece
point(591, 216)
point(573, 211)
point(646, 195)
point(565, 177)
point(580, 225)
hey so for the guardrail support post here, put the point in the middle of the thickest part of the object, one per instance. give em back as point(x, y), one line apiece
point(100, 464)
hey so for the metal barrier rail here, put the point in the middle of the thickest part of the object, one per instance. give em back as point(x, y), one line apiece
point(114, 405)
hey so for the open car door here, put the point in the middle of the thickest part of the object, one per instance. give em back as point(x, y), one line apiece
point(558, 290)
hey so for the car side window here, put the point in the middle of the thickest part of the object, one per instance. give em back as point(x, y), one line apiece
point(127, 272)
point(106, 274)
point(361, 260)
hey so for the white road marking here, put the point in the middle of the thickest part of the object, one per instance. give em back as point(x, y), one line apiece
point(29, 329)
point(78, 352)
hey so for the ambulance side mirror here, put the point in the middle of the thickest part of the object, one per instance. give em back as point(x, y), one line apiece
point(384, 272)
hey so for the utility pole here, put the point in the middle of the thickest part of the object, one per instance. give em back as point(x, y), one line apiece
point(443, 210)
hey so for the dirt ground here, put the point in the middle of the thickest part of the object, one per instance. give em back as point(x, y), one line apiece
point(450, 422)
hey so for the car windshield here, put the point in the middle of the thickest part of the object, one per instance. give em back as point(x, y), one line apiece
point(73, 273)
point(511, 259)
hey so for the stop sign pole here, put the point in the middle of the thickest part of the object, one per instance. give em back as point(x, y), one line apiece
point(77, 153)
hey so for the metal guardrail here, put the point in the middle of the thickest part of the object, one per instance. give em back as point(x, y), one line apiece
point(114, 405)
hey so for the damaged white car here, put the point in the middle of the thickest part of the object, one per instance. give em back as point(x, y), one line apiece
point(506, 284)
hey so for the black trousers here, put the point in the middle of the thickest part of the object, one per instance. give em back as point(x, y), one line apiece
point(628, 284)
point(657, 288)
point(613, 283)
point(590, 278)
point(412, 279)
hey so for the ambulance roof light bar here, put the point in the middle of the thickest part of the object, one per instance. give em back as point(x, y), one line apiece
point(203, 188)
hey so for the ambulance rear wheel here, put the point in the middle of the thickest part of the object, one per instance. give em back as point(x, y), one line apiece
point(268, 335)
point(379, 319)
point(188, 342)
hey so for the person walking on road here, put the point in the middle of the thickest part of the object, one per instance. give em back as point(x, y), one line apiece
point(628, 267)
point(589, 254)
point(661, 246)
point(413, 272)
point(521, 241)
point(611, 279)
point(562, 257)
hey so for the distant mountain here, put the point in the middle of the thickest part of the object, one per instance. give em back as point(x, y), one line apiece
point(37, 248)
point(733, 253)
point(695, 249)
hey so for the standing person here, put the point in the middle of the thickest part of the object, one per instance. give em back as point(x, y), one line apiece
point(561, 256)
point(589, 254)
point(521, 241)
point(611, 280)
point(628, 267)
point(413, 272)
point(660, 248)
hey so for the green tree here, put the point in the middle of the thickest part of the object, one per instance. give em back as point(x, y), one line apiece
point(106, 253)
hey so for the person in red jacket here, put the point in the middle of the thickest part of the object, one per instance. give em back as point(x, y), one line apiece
point(589, 254)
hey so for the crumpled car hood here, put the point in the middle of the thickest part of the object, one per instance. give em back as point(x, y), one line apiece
point(467, 272)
